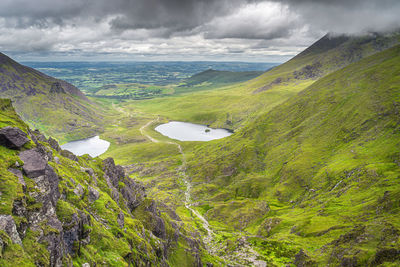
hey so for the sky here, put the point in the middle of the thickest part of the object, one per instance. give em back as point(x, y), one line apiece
point(182, 30)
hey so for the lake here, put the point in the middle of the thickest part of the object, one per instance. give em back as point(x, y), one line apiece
point(94, 146)
point(185, 131)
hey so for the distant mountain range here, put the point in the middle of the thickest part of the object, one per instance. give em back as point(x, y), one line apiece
point(48, 104)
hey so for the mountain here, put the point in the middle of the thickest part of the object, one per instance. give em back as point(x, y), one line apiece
point(233, 105)
point(58, 209)
point(51, 105)
point(314, 180)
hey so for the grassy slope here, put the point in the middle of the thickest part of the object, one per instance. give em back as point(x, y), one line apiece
point(109, 245)
point(65, 115)
point(325, 163)
point(231, 106)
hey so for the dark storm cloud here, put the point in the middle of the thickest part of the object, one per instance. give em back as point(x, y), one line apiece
point(129, 14)
point(182, 27)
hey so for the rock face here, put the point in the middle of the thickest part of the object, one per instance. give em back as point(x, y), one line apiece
point(54, 144)
point(34, 163)
point(54, 211)
point(69, 154)
point(132, 192)
point(7, 225)
point(93, 194)
point(57, 88)
point(12, 137)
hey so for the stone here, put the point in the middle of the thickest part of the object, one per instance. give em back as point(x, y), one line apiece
point(133, 192)
point(34, 163)
point(301, 259)
point(54, 144)
point(13, 137)
point(93, 194)
point(86, 264)
point(57, 88)
point(120, 219)
point(69, 154)
point(7, 225)
point(76, 232)
point(18, 173)
point(78, 190)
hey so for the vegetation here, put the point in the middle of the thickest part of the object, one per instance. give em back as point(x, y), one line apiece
point(310, 176)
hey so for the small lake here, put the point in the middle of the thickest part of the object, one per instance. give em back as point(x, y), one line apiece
point(94, 146)
point(185, 131)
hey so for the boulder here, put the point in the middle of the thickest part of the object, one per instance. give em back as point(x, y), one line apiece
point(34, 163)
point(7, 225)
point(12, 137)
point(93, 194)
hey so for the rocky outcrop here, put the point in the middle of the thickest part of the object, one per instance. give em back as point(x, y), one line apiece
point(55, 209)
point(93, 194)
point(54, 144)
point(75, 234)
point(7, 225)
point(13, 137)
point(132, 192)
point(69, 154)
point(56, 88)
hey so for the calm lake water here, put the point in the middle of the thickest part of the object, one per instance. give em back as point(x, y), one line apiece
point(184, 131)
point(94, 146)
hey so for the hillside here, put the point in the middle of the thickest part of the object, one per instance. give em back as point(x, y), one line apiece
point(61, 210)
point(315, 179)
point(214, 78)
point(48, 104)
point(232, 106)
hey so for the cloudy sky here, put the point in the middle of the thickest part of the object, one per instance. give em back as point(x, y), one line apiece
point(240, 30)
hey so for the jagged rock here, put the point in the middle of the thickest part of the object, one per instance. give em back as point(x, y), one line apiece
point(93, 194)
point(57, 88)
point(18, 173)
point(69, 154)
point(37, 136)
point(54, 144)
point(386, 255)
point(120, 220)
point(46, 153)
point(91, 174)
point(301, 259)
point(158, 225)
point(34, 164)
point(78, 190)
point(7, 225)
point(74, 231)
point(12, 137)
point(133, 193)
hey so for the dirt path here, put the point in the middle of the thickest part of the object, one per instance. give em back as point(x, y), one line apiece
point(245, 253)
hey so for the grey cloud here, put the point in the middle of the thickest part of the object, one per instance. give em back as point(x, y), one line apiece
point(348, 16)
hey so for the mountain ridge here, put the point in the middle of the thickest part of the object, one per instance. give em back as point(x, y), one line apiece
point(51, 105)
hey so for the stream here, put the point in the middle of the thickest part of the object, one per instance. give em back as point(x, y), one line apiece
point(246, 252)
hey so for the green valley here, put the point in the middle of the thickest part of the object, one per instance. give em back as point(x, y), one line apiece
point(310, 176)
